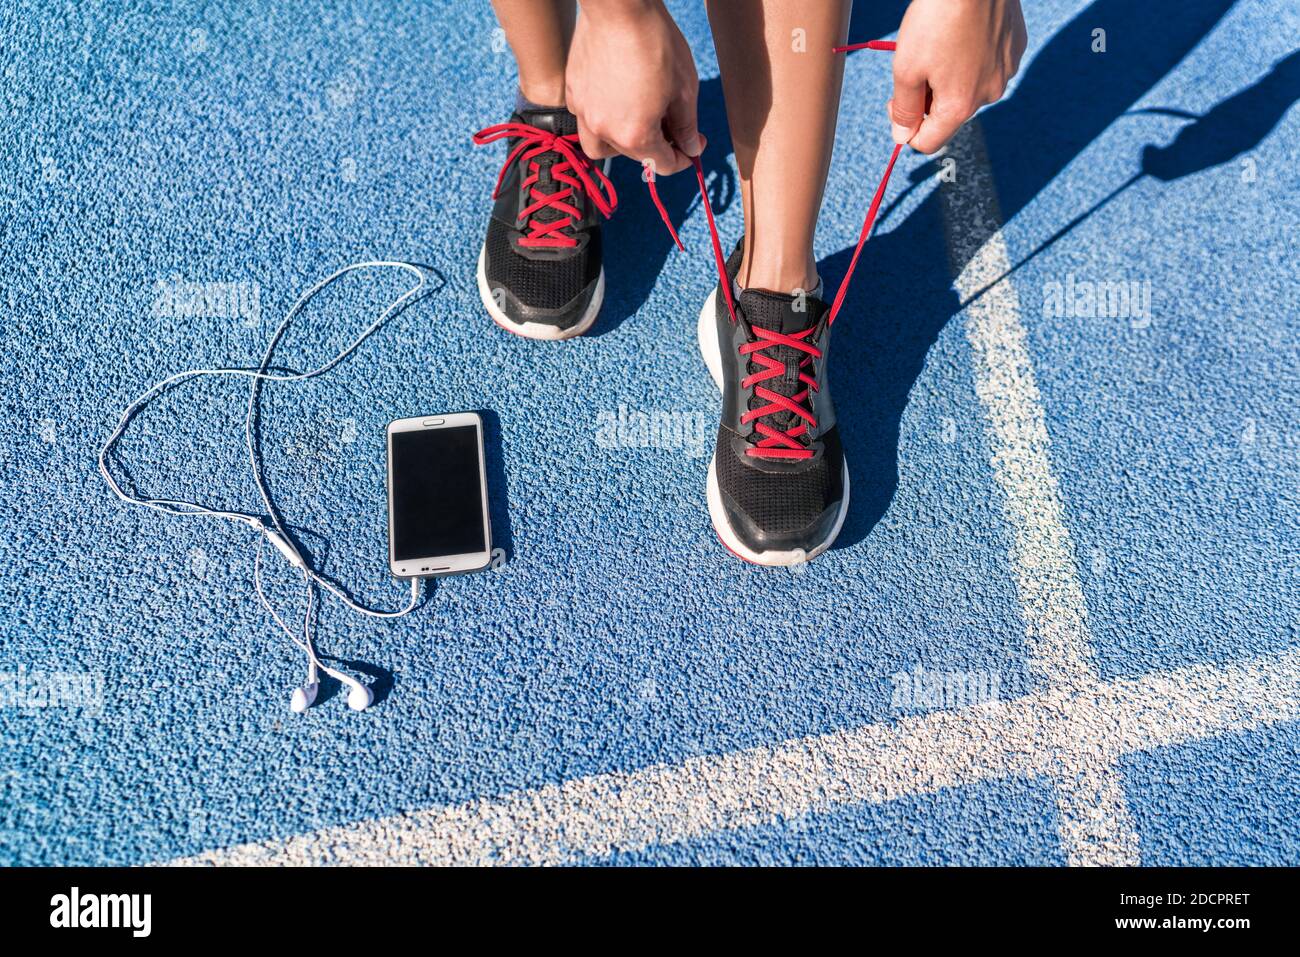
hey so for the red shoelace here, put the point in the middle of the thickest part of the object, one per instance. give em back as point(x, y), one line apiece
point(777, 443)
point(784, 443)
point(572, 171)
point(577, 172)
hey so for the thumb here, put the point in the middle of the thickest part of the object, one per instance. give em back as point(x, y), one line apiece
point(682, 128)
point(907, 108)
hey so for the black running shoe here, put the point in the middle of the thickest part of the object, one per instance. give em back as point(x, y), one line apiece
point(540, 273)
point(778, 486)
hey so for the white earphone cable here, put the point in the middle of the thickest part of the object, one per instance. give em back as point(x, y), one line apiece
point(276, 533)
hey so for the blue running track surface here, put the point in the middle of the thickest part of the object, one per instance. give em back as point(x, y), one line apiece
point(1061, 623)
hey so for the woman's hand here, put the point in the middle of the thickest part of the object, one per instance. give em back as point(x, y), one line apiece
point(631, 83)
point(964, 52)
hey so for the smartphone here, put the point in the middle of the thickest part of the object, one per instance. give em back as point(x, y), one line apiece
point(437, 496)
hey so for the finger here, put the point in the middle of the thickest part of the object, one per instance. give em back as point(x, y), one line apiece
point(680, 124)
point(656, 155)
point(593, 145)
point(683, 161)
point(907, 108)
point(941, 124)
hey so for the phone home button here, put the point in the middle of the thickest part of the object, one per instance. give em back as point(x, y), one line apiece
point(432, 422)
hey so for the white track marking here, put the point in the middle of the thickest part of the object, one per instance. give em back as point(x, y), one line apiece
point(1095, 825)
point(1033, 736)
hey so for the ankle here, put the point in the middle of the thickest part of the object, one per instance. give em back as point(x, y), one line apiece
point(787, 279)
point(547, 91)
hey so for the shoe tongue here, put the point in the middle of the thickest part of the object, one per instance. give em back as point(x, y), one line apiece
point(787, 315)
point(779, 313)
point(559, 121)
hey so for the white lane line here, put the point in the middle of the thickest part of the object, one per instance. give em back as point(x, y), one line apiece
point(1032, 736)
point(1095, 825)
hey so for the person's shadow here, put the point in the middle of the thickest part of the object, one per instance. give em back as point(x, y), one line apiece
point(1231, 127)
point(902, 293)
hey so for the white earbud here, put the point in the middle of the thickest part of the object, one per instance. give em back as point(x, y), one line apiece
point(360, 698)
point(304, 697)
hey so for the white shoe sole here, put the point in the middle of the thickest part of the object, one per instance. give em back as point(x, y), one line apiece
point(537, 330)
point(706, 333)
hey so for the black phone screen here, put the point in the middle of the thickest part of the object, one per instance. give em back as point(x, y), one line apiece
point(436, 493)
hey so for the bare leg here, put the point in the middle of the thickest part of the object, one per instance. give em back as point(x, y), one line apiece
point(539, 32)
point(782, 86)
